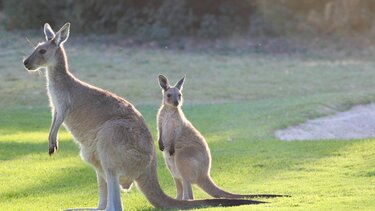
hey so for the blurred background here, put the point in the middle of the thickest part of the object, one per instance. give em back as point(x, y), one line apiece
point(164, 19)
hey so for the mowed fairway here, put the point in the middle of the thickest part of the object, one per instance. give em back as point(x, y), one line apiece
point(237, 99)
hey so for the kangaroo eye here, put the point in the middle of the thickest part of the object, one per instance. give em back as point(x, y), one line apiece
point(179, 95)
point(169, 95)
point(42, 51)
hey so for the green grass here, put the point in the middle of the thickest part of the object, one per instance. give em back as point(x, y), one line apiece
point(236, 99)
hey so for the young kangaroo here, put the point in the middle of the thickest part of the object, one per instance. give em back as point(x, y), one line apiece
point(186, 152)
point(111, 133)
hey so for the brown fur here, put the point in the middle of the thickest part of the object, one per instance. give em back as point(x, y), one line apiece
point(111, 133)
point(186, 152)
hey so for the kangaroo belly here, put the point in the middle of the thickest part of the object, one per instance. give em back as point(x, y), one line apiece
point(171, 132)
point(82, 133)
point(167, 134)
point(90, 156)
point(171, 163)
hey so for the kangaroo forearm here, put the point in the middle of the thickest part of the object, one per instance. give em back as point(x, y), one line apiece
point(58, 119)
point(172, 144)
point(56, 123)
point(53, 131)
point(160, 141)
point(169, 140)
point(172, 148)
point(53, 142)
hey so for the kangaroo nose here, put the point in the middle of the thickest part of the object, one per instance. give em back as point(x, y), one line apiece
point(175, 103)
point(26, 62)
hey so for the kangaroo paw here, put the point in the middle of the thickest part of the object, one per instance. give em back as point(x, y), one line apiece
point(161, 145)
point(52, 149)
point(171, 151)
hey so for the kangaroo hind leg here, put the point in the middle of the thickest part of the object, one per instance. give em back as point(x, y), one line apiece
point(188, 191)
point(113, 186)
point(103, 194)
point(179, 188)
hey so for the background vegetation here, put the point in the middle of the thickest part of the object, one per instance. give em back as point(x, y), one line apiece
point(163, 19)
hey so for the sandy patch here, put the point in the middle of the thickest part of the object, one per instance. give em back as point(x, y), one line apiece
point(356, 123)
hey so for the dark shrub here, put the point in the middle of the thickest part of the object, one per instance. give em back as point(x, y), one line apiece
point(144, 19)
point(23, 14)
point(163, 19)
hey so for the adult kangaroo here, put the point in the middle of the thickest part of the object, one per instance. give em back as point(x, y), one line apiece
point(186, 152)
point(111, 133)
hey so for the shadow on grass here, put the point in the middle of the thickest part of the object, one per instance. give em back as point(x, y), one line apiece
point(22, 119)
point(72, 178)
point(15, 150)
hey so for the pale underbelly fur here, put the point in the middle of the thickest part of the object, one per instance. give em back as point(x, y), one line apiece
point(170, 160)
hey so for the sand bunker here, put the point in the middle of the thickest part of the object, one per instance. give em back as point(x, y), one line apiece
point(356, 123)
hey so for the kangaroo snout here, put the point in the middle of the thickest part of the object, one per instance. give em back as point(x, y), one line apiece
point(26, 62)
point(29, 64)
point(175, 103)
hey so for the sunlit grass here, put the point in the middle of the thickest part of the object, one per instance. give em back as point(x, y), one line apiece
point(237, 100)
point(318, 175)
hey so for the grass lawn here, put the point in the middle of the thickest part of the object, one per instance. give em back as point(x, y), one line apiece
point(237, 99)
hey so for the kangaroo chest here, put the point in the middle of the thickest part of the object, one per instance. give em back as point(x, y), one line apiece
point(58, 96)
point(171, 129)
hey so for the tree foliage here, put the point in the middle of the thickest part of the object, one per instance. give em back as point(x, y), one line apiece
point(162, 19)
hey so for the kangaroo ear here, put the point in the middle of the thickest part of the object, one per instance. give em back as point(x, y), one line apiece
point(62, 35)
point(163, 81)
point(179, 85)
point(48, 32)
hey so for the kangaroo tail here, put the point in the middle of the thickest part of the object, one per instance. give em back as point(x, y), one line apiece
point(149, 185)
point(211, 188)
